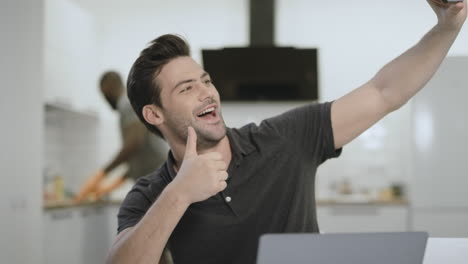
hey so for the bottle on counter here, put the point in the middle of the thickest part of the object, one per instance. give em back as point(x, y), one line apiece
point(59, 188)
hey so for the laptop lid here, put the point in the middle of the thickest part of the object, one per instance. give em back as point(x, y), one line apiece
point(359, 248)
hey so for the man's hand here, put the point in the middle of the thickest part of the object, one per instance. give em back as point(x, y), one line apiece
point(451, 16)
point(200, 176)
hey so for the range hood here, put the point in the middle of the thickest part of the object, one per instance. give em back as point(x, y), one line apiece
point(263, 71)
point(262, 23)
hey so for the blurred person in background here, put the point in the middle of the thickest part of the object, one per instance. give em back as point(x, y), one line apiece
point(142, 151)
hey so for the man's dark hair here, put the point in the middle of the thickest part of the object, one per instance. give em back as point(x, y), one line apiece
point(142, 87)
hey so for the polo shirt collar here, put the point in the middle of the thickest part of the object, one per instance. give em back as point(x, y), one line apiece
point(240, 147)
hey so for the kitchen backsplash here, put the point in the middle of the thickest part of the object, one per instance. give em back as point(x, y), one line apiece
point(78, 143)
point(71, 146)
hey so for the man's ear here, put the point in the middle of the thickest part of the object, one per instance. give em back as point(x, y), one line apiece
point(153, 115)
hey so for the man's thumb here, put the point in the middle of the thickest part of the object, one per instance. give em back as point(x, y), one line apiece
point(191, 146)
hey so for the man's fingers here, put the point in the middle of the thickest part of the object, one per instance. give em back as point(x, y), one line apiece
point(220, 165)
point(457, 7)
point(440, 3)
point(191, 146)
point(223, 176)
point(222, 185)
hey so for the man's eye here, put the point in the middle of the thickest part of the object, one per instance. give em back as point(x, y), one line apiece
point(186, 89)
point(207, 81)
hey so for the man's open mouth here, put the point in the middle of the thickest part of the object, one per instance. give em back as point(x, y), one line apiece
point(208, 113)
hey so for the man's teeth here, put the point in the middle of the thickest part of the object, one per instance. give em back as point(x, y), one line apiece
point(208, 110)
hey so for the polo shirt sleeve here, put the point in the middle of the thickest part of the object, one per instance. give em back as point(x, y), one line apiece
point(308, 130)
point(137, 202)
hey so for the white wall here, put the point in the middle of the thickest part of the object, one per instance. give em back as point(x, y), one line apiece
point(70, 53)
point(21, 113)
point(126, 28)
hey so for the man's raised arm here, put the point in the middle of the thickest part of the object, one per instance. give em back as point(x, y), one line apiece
point(400, 79)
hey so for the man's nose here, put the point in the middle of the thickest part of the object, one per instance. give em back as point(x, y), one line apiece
point(204, 91)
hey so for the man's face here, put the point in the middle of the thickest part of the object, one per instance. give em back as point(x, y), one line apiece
point(189, 98)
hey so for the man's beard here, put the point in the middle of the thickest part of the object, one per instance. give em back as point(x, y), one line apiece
point(205, 140)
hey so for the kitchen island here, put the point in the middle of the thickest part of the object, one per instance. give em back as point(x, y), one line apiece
point(79, 233)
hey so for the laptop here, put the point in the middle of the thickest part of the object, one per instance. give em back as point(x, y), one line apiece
point(348, 248)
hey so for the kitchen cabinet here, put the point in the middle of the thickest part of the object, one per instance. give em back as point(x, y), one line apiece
point(343, 218)
point(76, 235)
point(62, 237)
point(95, 242)
point(111, 211)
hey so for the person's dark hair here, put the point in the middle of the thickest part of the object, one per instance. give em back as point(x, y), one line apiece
point(142, 88)
point(112, 77)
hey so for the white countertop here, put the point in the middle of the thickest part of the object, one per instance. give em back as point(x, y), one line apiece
point(446, 250)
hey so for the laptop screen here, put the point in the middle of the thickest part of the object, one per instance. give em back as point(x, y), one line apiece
point(362, 248)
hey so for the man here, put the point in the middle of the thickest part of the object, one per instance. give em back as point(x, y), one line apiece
point(142, 151)
point(221, 188)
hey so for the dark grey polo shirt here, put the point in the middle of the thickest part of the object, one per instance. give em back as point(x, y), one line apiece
point(270, 189)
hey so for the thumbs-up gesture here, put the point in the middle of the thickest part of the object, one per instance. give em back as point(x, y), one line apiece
point(200, 176)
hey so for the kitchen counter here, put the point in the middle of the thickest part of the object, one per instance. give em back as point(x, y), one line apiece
point(345, 202)
point(446, 250)
point(53, 205)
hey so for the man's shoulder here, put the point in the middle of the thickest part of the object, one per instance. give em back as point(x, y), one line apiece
point(250, 137)
point(295, 112)
point(244, 134)
point(152, 184)
point(291, 125)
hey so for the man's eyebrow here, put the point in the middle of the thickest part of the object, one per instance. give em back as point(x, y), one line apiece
point(182, 82)
point(204, 74)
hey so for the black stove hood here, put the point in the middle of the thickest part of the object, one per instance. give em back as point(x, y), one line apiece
point(263, 71)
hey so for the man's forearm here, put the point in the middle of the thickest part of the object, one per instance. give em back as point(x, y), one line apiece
point(403, 77)
point(145, 242)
